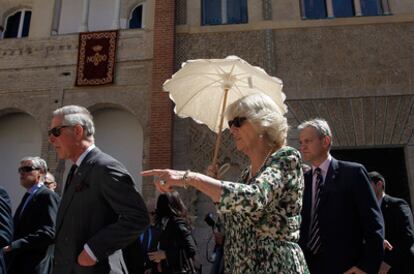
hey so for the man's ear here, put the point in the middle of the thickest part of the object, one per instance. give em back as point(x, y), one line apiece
point(326, 142)
point(78, 130)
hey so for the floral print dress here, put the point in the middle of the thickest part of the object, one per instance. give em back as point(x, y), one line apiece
point(262, 217)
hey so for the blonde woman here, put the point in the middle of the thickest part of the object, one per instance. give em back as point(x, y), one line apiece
point(262, 210)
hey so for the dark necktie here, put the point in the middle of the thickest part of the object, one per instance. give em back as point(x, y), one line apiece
point(70, 176)
point(23, 203)
point(314, 242)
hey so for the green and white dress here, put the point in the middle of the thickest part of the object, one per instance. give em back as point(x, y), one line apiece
point(262, 217)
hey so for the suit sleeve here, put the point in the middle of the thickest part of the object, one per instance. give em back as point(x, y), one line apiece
point(45, 234)
point(118, 191)
point(371, 219)
point(404, 226)
point(6, 221)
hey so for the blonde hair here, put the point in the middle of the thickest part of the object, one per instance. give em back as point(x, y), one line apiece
point(264, 114)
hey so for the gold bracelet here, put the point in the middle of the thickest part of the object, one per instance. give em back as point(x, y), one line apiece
point(185, 178)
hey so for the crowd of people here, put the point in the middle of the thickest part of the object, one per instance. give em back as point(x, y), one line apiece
point(280, 216)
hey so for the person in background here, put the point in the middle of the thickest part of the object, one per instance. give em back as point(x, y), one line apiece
point(399, 229)
point(50, 181)
point(136, 254)
point(31, 250)
point(6, 226)
point(176, 247)
point(342, 229)
point(261, 211)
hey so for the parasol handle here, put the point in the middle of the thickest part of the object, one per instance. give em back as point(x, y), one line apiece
point(218, 140)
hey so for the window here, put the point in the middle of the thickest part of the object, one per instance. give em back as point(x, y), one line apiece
point(371, 8)
point(343, 8)
point(217, 12)
point(18, 24)
point(317, 9)
point(135, 21)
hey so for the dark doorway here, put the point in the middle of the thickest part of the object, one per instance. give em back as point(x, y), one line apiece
point(390, 162)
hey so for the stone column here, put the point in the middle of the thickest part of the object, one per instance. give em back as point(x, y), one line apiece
point(56, 17)
point(329, 9)
point(85, 16)
point(224, 11)
point(267, 10)
point(302, 9)
point(357, 7)
point(385, 7)
point(117, 10)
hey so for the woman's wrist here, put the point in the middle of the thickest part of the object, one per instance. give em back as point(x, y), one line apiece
point(186, 178)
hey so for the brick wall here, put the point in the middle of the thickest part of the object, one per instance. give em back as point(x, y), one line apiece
point(161, 106)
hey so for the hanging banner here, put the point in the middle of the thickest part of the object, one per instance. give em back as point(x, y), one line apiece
point(96, 58)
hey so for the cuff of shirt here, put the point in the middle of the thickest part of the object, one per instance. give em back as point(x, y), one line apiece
point(90, 253)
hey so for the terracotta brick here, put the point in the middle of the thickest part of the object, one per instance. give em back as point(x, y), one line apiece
point(163, 67)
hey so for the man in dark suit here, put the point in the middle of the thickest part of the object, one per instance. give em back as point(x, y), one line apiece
point(34, 222)
point(6, 226)
point(399, 229)
point(342, 227)
point(100, 212)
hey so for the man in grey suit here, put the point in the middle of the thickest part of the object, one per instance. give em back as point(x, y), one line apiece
point(100, 212)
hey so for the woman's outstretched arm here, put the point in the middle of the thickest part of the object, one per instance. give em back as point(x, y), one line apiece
point(165, 179)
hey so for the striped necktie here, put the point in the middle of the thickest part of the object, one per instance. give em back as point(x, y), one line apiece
point(314, 242)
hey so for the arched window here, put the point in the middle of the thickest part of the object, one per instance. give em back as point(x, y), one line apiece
point(136, 18)
point(18, 24)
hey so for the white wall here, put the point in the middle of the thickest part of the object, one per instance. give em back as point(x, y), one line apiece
point(20, 136)
point(101, 15)
point(119, 134)
point(70, 16)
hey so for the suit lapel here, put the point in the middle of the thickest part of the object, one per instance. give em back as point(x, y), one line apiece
point(384, 204)
point(77, 179)
point(329, 180)
point(307, 198)
point(19, 214)
point(307, 203)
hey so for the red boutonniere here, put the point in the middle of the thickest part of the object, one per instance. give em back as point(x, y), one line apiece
point(81, 187)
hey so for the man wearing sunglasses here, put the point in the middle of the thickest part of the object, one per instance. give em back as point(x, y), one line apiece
point(34, 222)
point(50, 181)
point(101, 212)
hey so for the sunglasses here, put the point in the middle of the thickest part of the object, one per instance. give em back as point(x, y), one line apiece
point(24, 169)
point(237, 121)
point(56, 131)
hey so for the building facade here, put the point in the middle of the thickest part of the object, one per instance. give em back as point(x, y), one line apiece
point(39, 51)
